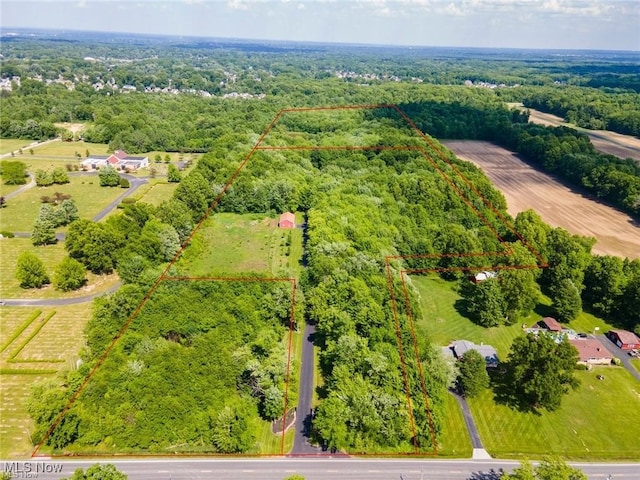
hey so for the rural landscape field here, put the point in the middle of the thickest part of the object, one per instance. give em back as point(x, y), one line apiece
point(240, 250)
point(524, 187)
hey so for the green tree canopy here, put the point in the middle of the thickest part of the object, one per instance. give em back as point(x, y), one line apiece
point(30, 271)
point(69, 275)
point(109, 177)
point(473, 373)
point(13, 172)
point(540, 370)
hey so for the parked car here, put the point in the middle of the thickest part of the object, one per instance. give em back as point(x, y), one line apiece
point(634, 353)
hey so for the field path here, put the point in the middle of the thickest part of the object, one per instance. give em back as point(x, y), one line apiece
point(527, 188)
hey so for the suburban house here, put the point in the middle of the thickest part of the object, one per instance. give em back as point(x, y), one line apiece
point(482, 276)
point(119, 160)
point(460, 347)
point(624, 339)
point(550, 324)
point(287, 220)
point(591, 351)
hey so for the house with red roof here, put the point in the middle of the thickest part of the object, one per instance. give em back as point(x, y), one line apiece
point(120, 160)
point(591, 351)
point(287, 220)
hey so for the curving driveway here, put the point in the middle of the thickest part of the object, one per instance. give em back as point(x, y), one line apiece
point(56, 302)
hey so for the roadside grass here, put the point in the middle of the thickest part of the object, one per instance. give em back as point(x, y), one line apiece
point(454, 438)
point(635, 362)
point(8, 145)
point(15, 423)
point(269, 443)
point(156, 193)
point(589, 425)
point(234, 244)
point(36, 162)
point(22, 210)
point(38, 344)
point(51, 256)
point(7, 189)
point(69, 149)
point(443, 323)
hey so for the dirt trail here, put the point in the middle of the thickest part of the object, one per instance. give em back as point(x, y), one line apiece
point(525, 187)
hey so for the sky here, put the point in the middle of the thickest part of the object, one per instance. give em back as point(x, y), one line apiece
point(547, 24)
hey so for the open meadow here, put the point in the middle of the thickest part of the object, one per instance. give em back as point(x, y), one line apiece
point(32, 349)
point(527, 188)
point(230, 243)
point(51, 256)
point(22, 210)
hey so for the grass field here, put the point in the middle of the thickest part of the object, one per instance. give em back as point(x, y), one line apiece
point(156, 193)
point(589, 425)
point(90, 197)
point(69, 149)
point(35, 336)
point(454, 439)
point(445, 324)
point(234, 244)
point(51, 255)
point(8, 145)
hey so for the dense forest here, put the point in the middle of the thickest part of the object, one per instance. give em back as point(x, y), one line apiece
point(361, 205)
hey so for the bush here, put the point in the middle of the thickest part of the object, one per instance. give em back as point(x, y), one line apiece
point(6, 234)
point(124, 183)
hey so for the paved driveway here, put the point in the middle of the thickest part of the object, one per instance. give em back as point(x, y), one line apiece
point(619, 353)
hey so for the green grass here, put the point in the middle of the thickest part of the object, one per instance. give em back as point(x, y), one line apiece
point(8, 145)
point(51, 256)
point(235, 244)
point(592, 423)
point(454, 438)
point(158, 192)
point(636, 363)
point(69, 149)
point(22, 210)
point(43, 348)
point(445, 324)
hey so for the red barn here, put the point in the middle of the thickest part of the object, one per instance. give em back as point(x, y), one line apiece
point(624, 339)
point(287, 220)
point(550, 324)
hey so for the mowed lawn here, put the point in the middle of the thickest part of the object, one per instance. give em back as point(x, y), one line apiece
point(22, 210)
point(585, 427)
point(69, 149)
point(445, 324)
point(51, 256)
point(157, 193)
point(454, 439)
point(36, 345)
point(229, 243)
point(598, 421)
point(8, 145)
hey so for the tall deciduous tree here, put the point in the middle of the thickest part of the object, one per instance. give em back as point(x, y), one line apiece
point(173, 175)
point(604, 282)
point(43, 232)
point(59, 175)
point(486, 305)
point(566, 300)
point(473, 373)
point(13, 172)
point(109, 177)
point(540, 370)
point(30, 271)
point(69, 275)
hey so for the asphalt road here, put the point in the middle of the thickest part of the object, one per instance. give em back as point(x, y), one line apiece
point(301, 443)
point(51, 302)
point(619, 353)
point(316, 469)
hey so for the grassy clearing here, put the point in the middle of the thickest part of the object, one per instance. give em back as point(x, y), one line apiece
point(90, 197)
point(234, 244)
point(69, 149)
point(8, 145)
point(636, 363)
point(42, 348)
point(454, 439)
point(7, 189)
point(445, 324)
point(589, 425)
point(156, 193)
point(51, 256)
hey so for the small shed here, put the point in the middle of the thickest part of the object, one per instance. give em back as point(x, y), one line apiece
point(551, 324)
point(482, 276)
point(287, 220)
point(624, 339)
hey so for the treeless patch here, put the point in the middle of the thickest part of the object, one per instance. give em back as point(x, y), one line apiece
point(527, 188)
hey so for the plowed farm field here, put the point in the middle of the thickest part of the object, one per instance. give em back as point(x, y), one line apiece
point(560, 206)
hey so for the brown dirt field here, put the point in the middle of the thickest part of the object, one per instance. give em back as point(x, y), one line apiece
point(527, 188)
point(623, 146)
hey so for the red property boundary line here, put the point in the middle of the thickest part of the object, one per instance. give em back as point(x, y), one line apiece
point(388, 266)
